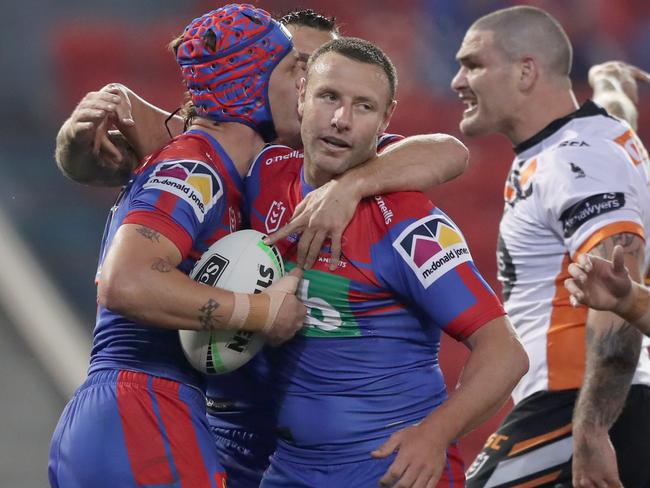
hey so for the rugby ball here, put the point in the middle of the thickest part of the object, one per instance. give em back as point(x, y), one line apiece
point(239, 262)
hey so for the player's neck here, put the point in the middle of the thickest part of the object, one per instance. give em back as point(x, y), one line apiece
point(240, 142)
point(313, 176)
point(539, 112)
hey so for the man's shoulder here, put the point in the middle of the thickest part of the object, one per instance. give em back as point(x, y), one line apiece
point(391, 209)
point(275, 157)
point(594, 139)
point(185, 147)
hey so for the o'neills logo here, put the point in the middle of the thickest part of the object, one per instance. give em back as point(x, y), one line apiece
point(431, 247)
point(385, 211)
point(283, 157)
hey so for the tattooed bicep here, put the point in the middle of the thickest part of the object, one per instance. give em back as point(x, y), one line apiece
point(633, 248)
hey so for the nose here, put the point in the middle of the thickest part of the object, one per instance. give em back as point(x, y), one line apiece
point(342, 119)
point(459, 81)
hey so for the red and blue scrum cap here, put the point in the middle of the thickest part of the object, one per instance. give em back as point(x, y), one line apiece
point(226, 58)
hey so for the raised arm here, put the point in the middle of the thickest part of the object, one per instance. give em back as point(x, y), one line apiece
point(153, 127)
point(87, 151)
point(612, 353)
point(139, 280)
point(415, 163)
point(485, 384)
point(615, 88)
point(606, 285)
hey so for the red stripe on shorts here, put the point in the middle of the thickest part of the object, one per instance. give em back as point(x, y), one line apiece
point(144, 442)
point(220, 479)
point(453, 476)
point(185, 448)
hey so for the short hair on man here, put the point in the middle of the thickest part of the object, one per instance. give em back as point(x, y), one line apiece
point(310, 18)
point(362, 51)
point(530, 31)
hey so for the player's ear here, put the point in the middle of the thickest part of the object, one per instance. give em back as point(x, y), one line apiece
point(528, 73)
point(387, 116)
point(301, 96)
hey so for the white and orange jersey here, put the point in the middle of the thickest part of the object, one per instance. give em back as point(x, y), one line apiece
point(582, 179)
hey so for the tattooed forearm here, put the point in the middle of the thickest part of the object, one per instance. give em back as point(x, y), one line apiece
point(161, 265)
point(207, 317)
point(148, 233)
point(612, 356)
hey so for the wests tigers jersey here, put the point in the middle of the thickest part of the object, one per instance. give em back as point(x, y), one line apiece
point(191, 193)
point(581, 180)
point(366, 361)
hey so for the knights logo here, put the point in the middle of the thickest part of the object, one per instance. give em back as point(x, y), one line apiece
point(274, 216)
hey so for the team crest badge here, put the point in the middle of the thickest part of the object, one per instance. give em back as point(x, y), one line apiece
point(274, 216)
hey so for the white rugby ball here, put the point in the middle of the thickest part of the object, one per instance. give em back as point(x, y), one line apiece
point(239, 262)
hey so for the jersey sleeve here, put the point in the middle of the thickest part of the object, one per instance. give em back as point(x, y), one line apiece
point(386, 140)
point(424, 258)
point(590, 193)
point(175, 198)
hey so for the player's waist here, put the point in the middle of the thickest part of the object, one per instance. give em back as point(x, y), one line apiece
point(334, 439)
point(339, 426)
point(234, 414)
point(171, 371)
point(133, 378)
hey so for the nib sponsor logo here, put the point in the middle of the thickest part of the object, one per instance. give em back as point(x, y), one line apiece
point(195, 182)
point(431, 247)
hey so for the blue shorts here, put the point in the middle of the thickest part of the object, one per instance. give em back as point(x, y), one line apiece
point(244, 454)
point(128, 429)
point(362, 474)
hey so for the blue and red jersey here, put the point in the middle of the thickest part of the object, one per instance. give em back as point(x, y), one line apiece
point(366, 362)
point(190, 192)
point(245, 393)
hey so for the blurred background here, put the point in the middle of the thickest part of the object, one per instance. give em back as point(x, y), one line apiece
point(53, 52)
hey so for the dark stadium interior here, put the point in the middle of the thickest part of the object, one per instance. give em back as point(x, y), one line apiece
point(54, 52)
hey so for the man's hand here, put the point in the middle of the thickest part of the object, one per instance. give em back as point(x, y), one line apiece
point(599, 283)
point(615, 86)
point(420, 458)
point(95, 114)
point(594, 460)
point(323, 214)
point(287, 313)
point(618, 72)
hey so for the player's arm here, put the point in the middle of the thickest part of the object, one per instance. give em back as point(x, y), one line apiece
point(139, 280)
point(606, 285)
point(416, 163)
point(86, 151)
point(496, 363)
point(153, 127)
point(615, 87)
point(612, 353)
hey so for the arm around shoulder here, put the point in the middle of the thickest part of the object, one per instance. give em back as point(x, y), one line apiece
point(416, 163)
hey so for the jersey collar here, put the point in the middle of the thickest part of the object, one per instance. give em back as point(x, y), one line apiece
point(588, 109)
point(227, 162)
point(305, 188)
